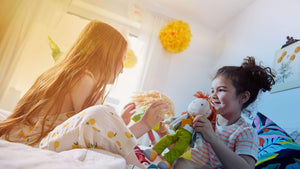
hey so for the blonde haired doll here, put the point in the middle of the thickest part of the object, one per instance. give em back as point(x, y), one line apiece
point(73, 86)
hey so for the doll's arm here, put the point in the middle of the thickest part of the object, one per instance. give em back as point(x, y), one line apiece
point(153, 115)
point(162, 131)
point(170, 120)
point(176, 123)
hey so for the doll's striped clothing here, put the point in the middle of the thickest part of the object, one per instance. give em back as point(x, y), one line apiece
point(239, 137)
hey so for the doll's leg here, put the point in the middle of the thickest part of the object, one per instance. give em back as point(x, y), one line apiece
point(95, 127)
point(186, 164)
point(150, 154)
point(181, 138)
point(164, 142)
point(184, 138)
point(132, 159)
point(160, 146)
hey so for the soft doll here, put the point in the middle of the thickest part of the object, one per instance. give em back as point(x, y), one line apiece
point(143, 100)
point(183, 128)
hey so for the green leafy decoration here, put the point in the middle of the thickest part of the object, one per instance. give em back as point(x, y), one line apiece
point(56, 52)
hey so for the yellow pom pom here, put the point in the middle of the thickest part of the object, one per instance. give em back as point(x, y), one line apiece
point(130, 60)
point(176, 36)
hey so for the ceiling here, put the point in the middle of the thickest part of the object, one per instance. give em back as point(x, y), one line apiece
point(212, 14)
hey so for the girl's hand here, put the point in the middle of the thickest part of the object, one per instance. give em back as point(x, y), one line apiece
point(202, 125)
point(154, 114)
point(127, 112)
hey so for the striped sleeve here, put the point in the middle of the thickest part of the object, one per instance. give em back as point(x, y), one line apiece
point(247, 143)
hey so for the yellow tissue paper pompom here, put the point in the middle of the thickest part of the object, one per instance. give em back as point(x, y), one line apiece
point(176, 36)
point(130, 60)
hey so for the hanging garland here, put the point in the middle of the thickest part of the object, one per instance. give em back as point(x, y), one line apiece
point(175, 36)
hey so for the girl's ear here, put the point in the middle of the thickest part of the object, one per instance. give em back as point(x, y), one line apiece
point(244, 97)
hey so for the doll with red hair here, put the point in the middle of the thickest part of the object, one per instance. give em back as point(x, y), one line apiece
point(183, 127)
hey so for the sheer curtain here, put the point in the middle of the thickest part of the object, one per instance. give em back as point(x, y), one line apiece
point(157, 59)
point(17, 19)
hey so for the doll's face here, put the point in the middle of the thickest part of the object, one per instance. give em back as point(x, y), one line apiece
point(199, 106)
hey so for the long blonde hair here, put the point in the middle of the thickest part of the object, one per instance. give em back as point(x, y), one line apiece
point(99, 49)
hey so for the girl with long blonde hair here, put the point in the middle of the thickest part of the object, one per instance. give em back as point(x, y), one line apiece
point(71, 88)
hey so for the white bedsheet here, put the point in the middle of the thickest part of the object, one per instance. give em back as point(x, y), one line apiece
point(20, 156)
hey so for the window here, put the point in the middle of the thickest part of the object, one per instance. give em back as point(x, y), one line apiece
point(128, 82)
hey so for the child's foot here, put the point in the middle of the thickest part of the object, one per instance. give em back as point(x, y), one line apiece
point(164, 165)
point(150, 154)
point(152, 166)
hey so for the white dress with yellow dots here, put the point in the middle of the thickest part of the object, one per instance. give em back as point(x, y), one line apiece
point(97, 127)
point(25, 133)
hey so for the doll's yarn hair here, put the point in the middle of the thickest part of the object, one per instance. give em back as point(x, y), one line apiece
point(213, 116)
point(144, 99)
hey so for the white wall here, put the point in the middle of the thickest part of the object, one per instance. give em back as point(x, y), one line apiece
point(260, 31)
point(181, 75)
point(189, 71)
point(36, 56)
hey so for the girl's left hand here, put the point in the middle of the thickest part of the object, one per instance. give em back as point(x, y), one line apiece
point(127, 112)
point(202, 125)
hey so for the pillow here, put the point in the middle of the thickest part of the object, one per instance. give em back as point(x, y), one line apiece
point(296, 135)
point(276, 148)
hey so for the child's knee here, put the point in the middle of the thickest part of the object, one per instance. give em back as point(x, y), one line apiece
point(94, 114)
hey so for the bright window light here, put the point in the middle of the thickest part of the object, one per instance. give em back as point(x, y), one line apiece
point(129, 81)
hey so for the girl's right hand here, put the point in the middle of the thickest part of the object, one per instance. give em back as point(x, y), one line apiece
point(202, 125)
point(155, 114)
point(127, 112)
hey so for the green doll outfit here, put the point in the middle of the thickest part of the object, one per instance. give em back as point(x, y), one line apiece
point(181, 140)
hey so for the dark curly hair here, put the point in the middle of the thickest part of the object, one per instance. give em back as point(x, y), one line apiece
point(249, 77)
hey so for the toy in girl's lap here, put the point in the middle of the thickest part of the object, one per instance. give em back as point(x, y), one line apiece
point(143, 100)
point(183, 128)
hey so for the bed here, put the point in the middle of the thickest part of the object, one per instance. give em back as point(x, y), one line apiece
point(20, 156)
point(277, 149)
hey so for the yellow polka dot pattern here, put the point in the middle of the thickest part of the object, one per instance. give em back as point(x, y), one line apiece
point(97, 127)
point(26, 133)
